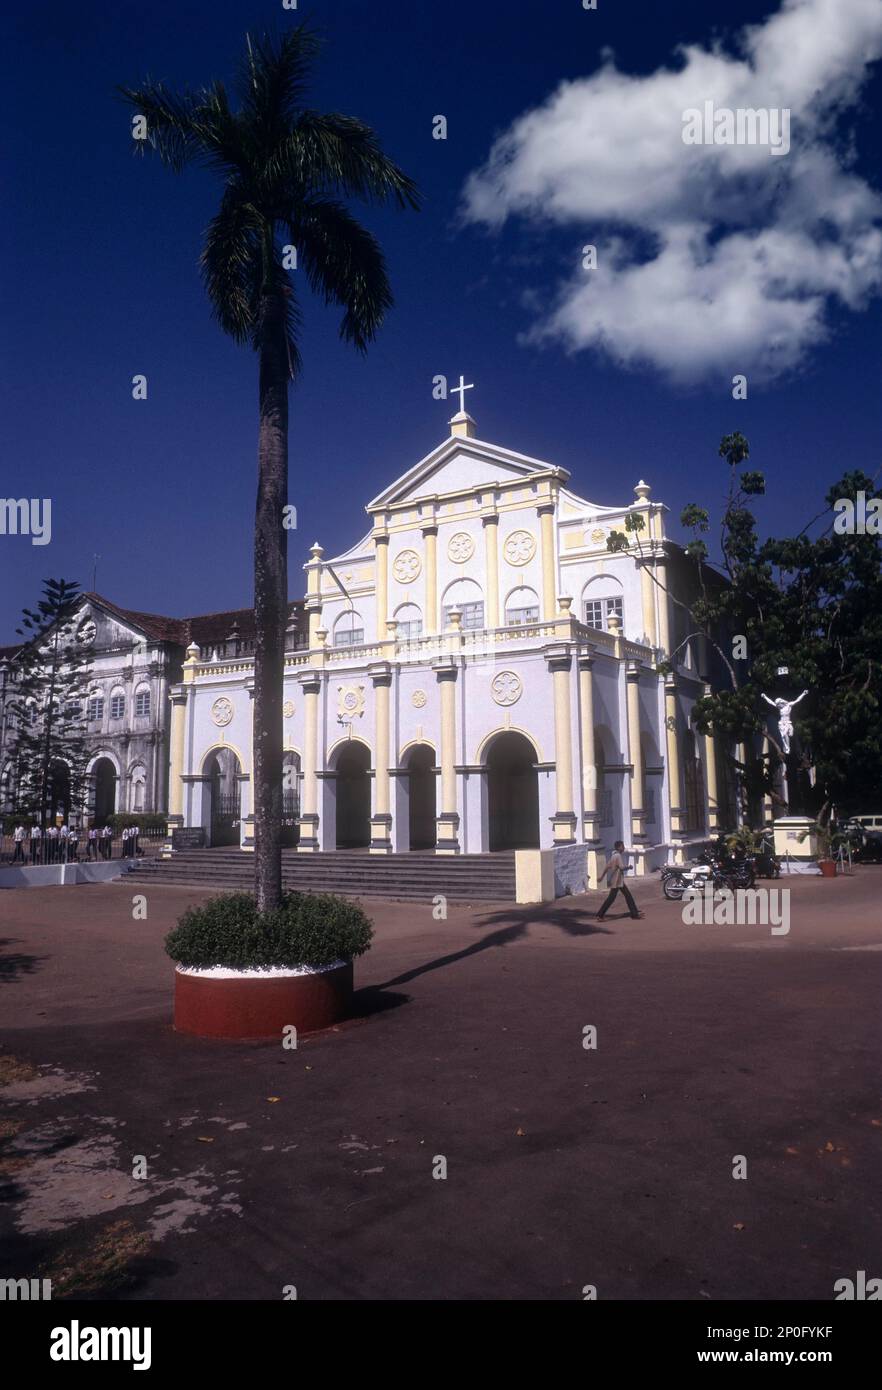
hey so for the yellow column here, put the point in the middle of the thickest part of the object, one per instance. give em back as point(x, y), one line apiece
point(664, 609)
point(713, 795)
point(549, 587)
point(314, 591)
point(635, 752)
point(177, 739)
point(430, 537)
point(381, 820)
point(309, 820)
point(590, 813)
point(564, 820)
point(381, 543)
point(647, 593)
point(178, 697)
point(672, 733)
point(491, 555)
point(448, 820)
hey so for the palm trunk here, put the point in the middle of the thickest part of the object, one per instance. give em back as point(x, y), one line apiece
point(270, 602)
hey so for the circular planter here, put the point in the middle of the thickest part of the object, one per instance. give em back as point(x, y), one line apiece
point(222, 1003)
point(827, 867)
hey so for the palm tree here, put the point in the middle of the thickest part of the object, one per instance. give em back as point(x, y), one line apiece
point(284, 169)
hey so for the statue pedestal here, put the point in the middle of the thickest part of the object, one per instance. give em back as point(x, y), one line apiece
point(788, 830)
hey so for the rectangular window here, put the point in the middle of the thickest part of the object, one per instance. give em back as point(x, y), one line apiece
point(594, 614)
point(353, 638)
point(95, 707)
point(516, 617)
point(606, 807)
point(407, 631)
point(472, 614)
point(599, 611)
point(117, 706)
point(142, 703)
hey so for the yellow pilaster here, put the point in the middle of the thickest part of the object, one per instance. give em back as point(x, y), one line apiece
point(309, 820)
point(591, 815)
point(546, 537)
point(430, 537)
point(448, 819)
point(381, 820)
point(560, 662)
point(664, 606)
point(710, 760)
point(672, 735)
point(178, 699)
point(491, 557)
point(381, 544)
point(635, 746)
point(647, 594)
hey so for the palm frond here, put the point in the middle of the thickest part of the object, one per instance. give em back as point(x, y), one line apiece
point(231, 256)
point(171, 131)
point(273, 77)
point(341, 154)
point(344, 264)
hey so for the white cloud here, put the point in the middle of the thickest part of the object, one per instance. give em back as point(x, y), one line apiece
point(747, 251)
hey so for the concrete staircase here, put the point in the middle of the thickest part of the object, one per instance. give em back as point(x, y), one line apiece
point(416, 877)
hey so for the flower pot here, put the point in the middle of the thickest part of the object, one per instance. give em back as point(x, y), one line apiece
point(224, 1003)
point(827, 867)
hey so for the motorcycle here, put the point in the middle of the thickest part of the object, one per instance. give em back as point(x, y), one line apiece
point(676, 880)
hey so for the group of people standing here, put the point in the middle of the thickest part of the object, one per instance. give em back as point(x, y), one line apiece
point(60, 844)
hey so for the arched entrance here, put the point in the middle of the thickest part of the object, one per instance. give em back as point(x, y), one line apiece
point(353, 797)
point(513, 793)
point(104, 784)
point(222, 769)
point(290, 799)
point(421, 796)
point(58, 793)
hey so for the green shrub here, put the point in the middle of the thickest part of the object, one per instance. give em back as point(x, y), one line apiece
point(308, 929)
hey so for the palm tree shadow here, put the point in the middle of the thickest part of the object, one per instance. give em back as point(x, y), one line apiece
point(15, 964)
point(516, 924)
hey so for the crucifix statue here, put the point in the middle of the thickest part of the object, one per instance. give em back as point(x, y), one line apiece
point(785, 723)
point(460, 391)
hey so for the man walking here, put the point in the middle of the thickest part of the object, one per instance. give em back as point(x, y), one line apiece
point(91, 844)
point(36, 836)
point(18, 840)
point(615, 879)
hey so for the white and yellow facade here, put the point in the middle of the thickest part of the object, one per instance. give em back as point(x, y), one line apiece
point(482, 653)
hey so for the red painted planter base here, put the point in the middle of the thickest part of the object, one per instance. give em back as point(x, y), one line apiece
point(827, 867)
point(254, 1007)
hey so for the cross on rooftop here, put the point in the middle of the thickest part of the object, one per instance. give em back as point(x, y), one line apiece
point(460, 390)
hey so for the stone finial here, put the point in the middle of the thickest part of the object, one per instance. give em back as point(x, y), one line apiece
point(193, 652)
point(322, 635)
point(642, 490)
point(454, 617)
point(392, 628)
point(564, 604)
point(615, 625)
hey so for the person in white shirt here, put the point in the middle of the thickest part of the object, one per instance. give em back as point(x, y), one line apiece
point(615, 878)
point(52, 845)
point(64, 842)
point(107, 842)
point(18, 840)
point(92, 844)
point(36, 839)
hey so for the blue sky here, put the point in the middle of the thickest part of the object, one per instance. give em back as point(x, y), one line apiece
point(627, 377)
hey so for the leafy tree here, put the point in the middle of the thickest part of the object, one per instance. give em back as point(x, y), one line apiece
point(48, 704)
point(811, 604)
point(285, 169)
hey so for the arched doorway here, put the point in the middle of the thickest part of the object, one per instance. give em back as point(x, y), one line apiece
point(513, 793)
point(222, 769)
point(353, 797)
point(104, 783)
point(58, 793)
point(290, 799)
point(421, 796)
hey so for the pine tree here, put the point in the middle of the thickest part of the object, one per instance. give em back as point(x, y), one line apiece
point(51, 679)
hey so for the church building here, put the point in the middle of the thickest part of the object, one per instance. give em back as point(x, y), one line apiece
point(479, 673)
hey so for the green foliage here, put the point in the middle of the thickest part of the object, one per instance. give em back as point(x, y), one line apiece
point(50, 679)
point(9, 822)
point(617, 541)
point(307, 929)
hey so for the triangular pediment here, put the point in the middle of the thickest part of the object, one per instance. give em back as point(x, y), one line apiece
point(458, 465)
